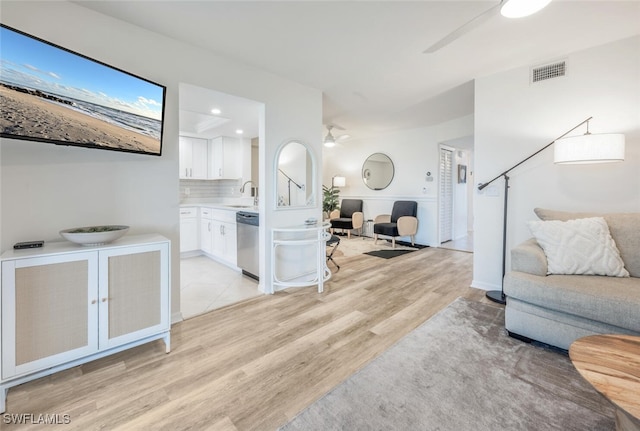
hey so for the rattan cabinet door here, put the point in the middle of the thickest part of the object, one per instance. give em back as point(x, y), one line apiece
point(49, 311)
point(134, 292)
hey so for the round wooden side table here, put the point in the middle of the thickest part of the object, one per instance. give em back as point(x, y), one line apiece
point(611, 363)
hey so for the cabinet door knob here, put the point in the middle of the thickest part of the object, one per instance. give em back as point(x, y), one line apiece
point(93, 301)
point(104, 299)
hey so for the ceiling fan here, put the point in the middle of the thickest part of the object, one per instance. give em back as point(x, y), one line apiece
point(330, 140)
point(508, 8)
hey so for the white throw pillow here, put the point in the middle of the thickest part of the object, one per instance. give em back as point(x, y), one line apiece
point(582, 246)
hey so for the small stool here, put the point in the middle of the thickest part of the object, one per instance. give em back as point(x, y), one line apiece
point(333, 243)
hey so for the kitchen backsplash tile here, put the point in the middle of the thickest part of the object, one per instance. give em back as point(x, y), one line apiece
point(205, 190)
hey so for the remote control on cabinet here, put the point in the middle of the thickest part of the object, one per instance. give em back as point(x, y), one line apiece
point(28, 244)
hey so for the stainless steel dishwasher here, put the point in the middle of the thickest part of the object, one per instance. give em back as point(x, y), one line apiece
point(248, 243)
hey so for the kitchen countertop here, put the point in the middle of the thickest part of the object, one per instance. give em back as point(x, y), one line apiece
point(228, 207)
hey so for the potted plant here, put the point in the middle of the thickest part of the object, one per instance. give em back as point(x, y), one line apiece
point(330, 200)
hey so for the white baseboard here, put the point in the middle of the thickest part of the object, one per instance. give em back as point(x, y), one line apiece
point(485, 286)
point(176, 317)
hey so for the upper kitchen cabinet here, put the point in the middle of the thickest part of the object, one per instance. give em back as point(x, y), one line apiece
point(226, 156)
point(193, 158)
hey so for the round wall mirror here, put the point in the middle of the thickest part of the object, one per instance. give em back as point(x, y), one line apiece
point(377, 171)
point(295, 174)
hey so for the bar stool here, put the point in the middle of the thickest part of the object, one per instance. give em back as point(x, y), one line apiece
point(333, 244)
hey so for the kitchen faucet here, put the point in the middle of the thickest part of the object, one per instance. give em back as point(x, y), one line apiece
point(254, 191)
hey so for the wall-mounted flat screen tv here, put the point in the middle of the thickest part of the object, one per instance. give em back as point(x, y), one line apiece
point(54, 95)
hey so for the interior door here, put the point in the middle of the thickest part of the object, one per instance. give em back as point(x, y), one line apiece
point(446, 195)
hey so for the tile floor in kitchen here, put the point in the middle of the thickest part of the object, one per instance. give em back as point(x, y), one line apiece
point(206, 285)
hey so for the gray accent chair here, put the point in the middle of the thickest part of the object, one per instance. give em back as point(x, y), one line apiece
point(402, 221)
point(350, 216)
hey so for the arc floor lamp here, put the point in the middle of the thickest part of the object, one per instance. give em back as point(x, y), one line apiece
point(587, 148)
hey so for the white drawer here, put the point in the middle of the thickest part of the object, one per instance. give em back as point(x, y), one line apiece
point(188, 212)
point(228, 216)
point(205, 213)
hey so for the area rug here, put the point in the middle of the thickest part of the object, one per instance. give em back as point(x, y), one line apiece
point(388, 254)
point(461, 371)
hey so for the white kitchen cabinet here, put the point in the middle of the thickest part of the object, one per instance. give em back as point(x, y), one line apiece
point(65, 304)
point(230, 234)
point(218, 234)
point(206, 230)
point(224, 236)
point(189, 236)
point(224, 241)
point(194, 155)
point(225, 158)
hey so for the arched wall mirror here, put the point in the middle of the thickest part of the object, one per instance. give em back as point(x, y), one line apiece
point(295, 176)
point(377, 171)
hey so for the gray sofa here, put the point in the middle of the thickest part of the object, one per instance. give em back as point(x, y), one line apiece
point(558, 309)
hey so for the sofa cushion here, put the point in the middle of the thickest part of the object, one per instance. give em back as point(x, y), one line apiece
point(342, 223)
point(529, 257)
point(624, 229)
point(612, 300)
point(582, 246)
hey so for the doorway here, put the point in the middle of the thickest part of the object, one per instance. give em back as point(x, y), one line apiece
point(455, 194)
point(222, 133)
point(446, 194)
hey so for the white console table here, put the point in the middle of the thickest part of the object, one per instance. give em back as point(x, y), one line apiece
point(294, 242)
point(64, 304)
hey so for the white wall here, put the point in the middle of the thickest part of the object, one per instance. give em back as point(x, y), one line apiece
point(414, 153)
point(46, 188)
point(513, 119)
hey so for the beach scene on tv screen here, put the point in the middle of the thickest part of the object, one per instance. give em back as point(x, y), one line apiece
point(50, 94)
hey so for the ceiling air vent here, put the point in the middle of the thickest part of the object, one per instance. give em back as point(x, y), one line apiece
point(548, 71)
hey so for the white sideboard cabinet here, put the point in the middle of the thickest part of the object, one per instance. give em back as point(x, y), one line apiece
point(64, 304)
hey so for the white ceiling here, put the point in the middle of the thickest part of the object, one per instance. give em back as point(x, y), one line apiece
point(367, 56)
point(236, 113)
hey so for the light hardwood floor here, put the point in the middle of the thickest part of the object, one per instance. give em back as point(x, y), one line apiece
point(256, 364)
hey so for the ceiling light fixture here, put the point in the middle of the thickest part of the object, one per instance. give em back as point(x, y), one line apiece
point(329, 140)
point(522, 8)
point(216, 111)
point(239, 131)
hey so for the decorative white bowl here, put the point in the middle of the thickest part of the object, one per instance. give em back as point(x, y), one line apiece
point(94, 235)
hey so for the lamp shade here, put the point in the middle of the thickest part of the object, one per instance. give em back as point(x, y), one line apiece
point(589, 148)
point(522, 8)
point(339, 181)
